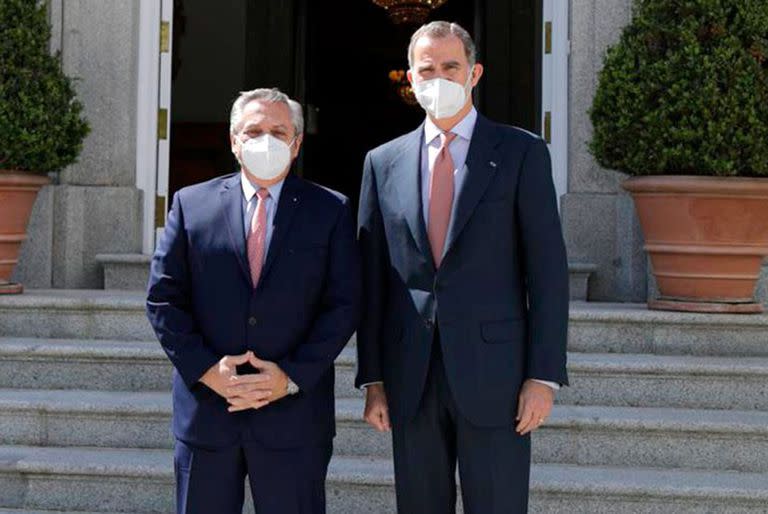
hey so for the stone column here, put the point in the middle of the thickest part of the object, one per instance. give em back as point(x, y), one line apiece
point(95, 206)
point(599, 220)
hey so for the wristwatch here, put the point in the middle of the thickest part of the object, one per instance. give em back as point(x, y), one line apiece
point(292, 387)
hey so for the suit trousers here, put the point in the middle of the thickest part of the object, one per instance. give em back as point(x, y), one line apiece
point(493, 462)
point(283, 481)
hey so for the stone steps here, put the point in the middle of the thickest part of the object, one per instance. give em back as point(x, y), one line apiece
point(661, 438)
point(141, 481)
point(579, 274)
point(667, 381)
point(598, 379)
point(125, 272)
point(76, 314)
point(668, 413)
point(594, 328)
point(54, 418)
point(36, 511)
point(130, 272)
point(32, 363)
point(613, 436)
point(632, 328)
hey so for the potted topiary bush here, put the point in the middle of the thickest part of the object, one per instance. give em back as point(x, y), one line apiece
point(682, 107)
point(41, 122)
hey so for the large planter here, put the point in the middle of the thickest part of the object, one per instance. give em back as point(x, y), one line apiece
point(706, 238)
point(18, 192)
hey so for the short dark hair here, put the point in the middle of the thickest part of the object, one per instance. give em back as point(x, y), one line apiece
point(440, 29)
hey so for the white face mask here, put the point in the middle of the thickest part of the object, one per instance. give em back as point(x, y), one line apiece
point(265, 157)
point(442, 98)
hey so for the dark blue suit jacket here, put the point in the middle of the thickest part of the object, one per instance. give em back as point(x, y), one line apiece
point(500, 297)
point(306, 307)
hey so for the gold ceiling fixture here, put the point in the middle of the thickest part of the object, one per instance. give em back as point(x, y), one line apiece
point(409, 11)
point(404, 90)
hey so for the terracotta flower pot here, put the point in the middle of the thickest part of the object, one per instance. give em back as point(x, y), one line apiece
point(18, 192)
point(706, 237)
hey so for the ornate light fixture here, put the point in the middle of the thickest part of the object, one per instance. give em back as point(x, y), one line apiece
point(409, 11)
point(402, 86)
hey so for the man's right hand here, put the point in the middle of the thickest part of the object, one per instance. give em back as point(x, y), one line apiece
point(376, 410)
point(219, 376)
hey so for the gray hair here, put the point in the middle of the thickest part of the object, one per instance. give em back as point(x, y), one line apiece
point(441, 29)
point(273, 95)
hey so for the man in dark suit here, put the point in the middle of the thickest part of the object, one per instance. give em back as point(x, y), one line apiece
point(254, 291)
point(463, 339)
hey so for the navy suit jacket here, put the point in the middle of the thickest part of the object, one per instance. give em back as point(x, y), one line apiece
point(500, 297)
point(305, 308)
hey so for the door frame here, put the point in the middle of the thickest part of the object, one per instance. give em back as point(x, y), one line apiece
point(556, 49)
point(154, 95)
point(153, 103)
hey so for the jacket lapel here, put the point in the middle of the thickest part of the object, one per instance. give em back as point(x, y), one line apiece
point(290, 198)
point(406, 175)
point(483, 159)
point(232, 200)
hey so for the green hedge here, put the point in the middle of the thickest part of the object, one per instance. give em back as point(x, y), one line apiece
point(685, 91)
point(41, 123)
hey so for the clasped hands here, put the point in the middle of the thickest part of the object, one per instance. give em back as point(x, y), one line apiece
point(243, 392)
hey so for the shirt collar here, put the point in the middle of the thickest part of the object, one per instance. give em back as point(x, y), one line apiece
point(249, 190)
point(463, 129)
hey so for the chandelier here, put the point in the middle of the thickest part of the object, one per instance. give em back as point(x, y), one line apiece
point(403, 88)
point(409, 11)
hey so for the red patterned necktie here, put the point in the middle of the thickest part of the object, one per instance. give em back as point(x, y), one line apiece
point(257, 236)
point(440, 198)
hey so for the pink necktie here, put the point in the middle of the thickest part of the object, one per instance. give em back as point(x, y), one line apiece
point(440, 198)
point(257, 236)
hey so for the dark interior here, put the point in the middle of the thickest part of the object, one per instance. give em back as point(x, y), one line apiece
point(335, 58)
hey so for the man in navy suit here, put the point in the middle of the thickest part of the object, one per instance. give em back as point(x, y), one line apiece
point(465, 278)
point(254, 291)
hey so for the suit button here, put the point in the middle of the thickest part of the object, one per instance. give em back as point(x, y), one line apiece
point(252, 321)
point(429, 323)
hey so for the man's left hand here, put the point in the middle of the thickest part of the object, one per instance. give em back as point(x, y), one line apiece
point(534, 406)
point(252, 391)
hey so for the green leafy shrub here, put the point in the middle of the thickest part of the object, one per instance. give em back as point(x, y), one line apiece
point(41, 123)
point(685, 91)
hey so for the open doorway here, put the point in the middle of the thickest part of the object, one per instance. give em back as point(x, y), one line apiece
point(339, 60)
point(352, 67)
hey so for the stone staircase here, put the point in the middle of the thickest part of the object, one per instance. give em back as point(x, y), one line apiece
point(668, 413)
point(130, 272)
